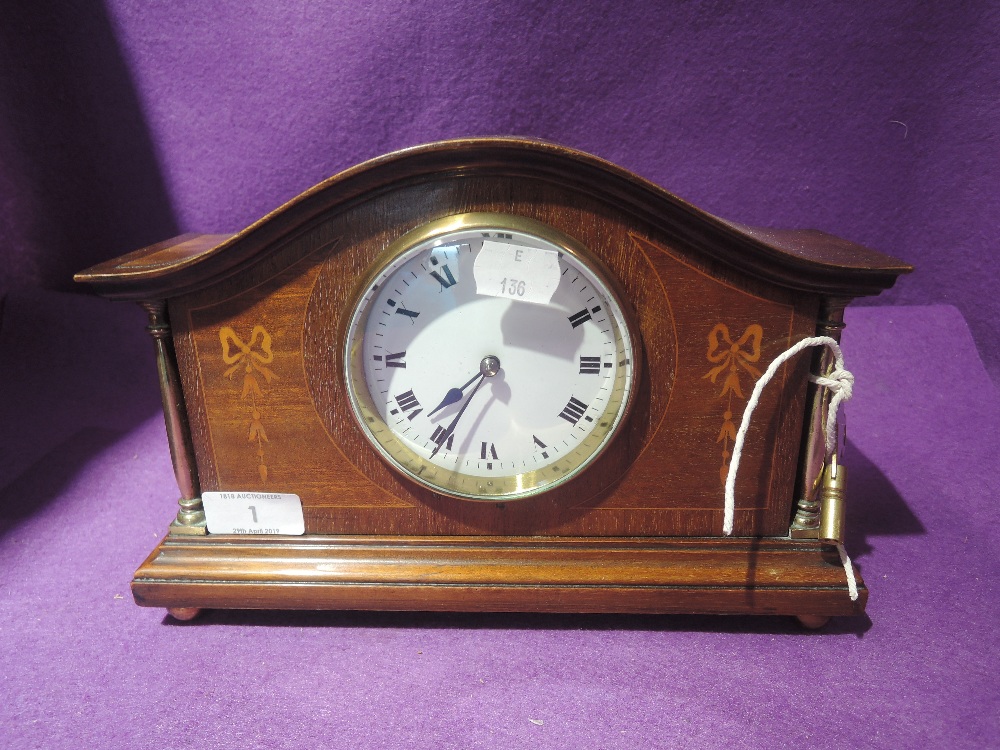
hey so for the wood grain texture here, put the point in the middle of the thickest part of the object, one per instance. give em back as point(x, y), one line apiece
point(662, 477)
point(810, 261)
point(499, 574)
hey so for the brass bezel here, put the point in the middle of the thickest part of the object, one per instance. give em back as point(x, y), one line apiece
point(489, 489)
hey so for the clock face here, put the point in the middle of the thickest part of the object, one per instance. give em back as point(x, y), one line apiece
point(489, 357)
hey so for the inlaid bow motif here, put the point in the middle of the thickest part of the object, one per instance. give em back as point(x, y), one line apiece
point(731, 357)
point(254, 355)
point(252, 358)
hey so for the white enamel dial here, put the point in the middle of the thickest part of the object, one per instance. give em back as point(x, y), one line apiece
point(468, 388)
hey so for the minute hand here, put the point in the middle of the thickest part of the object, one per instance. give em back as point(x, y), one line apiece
point(451, 428)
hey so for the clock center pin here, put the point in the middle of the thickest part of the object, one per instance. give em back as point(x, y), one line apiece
point(490, 366)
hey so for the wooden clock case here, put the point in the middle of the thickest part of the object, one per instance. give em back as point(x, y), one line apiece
point(249, 329)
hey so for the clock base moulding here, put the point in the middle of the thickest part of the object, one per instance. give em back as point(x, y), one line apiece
point(484, 574)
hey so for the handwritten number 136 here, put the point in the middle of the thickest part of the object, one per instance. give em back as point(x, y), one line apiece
point(512, 287)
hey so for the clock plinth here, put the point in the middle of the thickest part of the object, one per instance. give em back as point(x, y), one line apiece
point(499, 574)
point(462, 432)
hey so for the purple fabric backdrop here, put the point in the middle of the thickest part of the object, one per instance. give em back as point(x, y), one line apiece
point(878, 123)
point(122, 125)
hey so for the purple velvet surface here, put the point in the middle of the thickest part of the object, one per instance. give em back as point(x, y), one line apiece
point(122, 124)
point(125, 123)
point(82, 666)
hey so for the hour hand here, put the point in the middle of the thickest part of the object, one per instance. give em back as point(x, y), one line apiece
point(454, 395)
point(450, 430)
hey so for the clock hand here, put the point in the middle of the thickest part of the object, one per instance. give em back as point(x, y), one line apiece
point(453, 395)
point(451, 428)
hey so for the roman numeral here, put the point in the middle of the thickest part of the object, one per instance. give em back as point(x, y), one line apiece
point(573, 410)
point(441, 436)
point(395, 360)
point(447, 280)
point(541, 445)
point(407, 402)
point(488, 450)
point(402, 310)
point(578, 319)
point(590, 365)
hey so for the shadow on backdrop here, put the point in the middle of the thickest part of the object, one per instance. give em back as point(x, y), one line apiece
point(874, 506)
point(79, 183)
point(767, 624)
point(76, 373)
point(35, 488)
point(79, 178)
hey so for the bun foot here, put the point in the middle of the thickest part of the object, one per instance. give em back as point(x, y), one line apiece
point(183, 613)
point(812, 622)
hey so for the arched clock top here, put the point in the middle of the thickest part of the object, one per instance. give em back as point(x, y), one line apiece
point(804, 260)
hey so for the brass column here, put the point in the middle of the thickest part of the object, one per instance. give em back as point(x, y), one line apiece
point(191, 516)
point(805, 525)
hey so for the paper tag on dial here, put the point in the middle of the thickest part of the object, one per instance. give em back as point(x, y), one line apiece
point(526, 274)
point(253, 513)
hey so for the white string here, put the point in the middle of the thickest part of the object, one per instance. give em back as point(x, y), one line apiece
point(840, 381)
point(852, 584)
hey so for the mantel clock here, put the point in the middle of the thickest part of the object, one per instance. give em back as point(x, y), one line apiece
point(494, 375)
